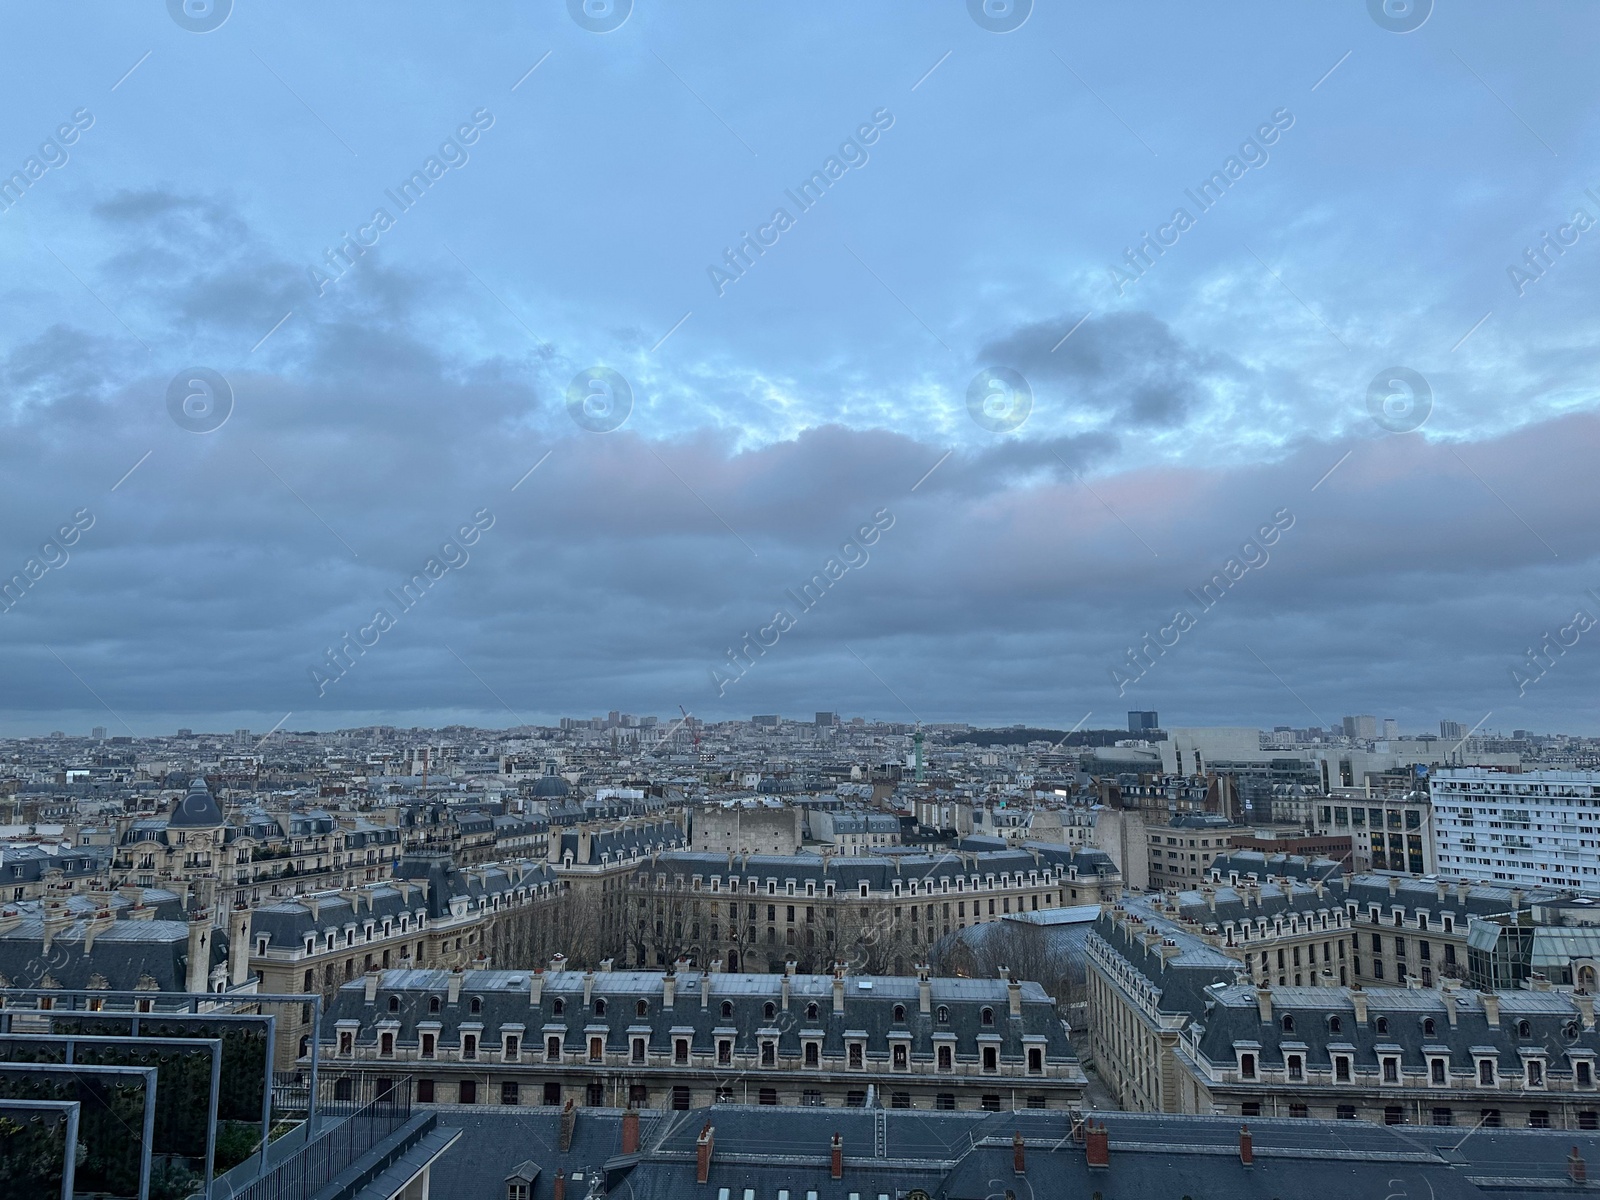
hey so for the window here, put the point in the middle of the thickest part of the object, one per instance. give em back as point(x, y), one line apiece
point(1288, 1022)
point(1535, 1073)
point(1295, 1068)
point(768, 1096)
point(1341, 1068)
point(680, 1050)
point(386, 1045)
point(727, 1009)
point(558, 1007)
point(509, 1093)
point(1539, 1118)
point(552, 1048)
point(942, 1015)
point(600, 1008)
point(597, 1049)
point(1035, 1060)
point(991, 1058)
point(1436, 1071)
point(513, 1047)
point(1443, 1116)
point(467, 1091)
point(680, 1099)
point(897, 1057)
point(1486, 1072)
point(854, 1057)
point(899, 1014)
point(469, 1045)
point(991, 1100)
point(769, 1010)
point(427, 1045)
point(944, 1059)
point(642, 1008)
point(1335, 1025)
point(1298, 1111)
point(812, 1053)
point(945, 1101)
point(900, 1100)
point(1345, 1112)
point(1428, 1027)
point(1381, 1025)
point(1588, 1119)
point(1250, 1108)
point(475, 1005)
point(986, 1016)
point(394, 1003)
point(1585, 1073)
point(424, 1091)
point(1391, 1070)
point(811, 1098)
point(1394, 1115)
point(1247, 1066)
point(811, 1011)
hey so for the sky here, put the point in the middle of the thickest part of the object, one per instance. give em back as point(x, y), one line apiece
point(371, 363)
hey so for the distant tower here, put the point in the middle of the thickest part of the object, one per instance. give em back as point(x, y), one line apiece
point(916, 739)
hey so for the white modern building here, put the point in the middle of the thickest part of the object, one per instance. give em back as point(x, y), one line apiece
point(1536, 828)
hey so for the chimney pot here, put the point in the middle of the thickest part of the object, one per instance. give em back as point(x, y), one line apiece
point(702, 1153)
point(1247, 1150)
point(1019, 1161)
point(837, 1156)
point(1577, 1169)
point(559, 1191)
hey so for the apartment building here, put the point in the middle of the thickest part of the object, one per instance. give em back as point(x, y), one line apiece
point(687, 1038)
point(880, 913)
point(1529, 829)
point(1177, 1027)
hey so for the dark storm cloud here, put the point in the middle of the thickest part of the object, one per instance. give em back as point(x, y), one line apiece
point(1127, 366)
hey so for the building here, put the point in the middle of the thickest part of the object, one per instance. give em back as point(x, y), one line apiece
point(1383, 832)
point(880, 913)
point(747, 827)
point(855, 832)
point(1143, 722)
point(1536, 828)
point(1176, 1026)
point(688, 1038)
point(1181, 851)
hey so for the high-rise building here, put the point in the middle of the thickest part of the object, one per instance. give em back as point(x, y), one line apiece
point(1391, 729)
point(827, 720)
point(1452, 731)
point(98, 733)
point(1520, 830)
point(1361, 728)
point(1142, 721)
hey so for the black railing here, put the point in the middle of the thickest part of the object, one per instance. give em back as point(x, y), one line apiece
point(375, 1109)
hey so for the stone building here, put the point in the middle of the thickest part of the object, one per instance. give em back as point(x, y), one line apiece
point(882, 914)
point(694, 1037)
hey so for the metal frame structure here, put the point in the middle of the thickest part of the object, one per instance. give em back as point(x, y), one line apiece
point(69, 1110)
point(148, 1074)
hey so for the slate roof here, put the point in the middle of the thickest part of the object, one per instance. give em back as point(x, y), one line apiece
point(122, 953)
point(880, 871)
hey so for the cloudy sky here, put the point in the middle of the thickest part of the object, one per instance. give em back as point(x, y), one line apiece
point(1066, 312)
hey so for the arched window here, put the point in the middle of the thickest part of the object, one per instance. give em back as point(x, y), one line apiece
point(727, 1009)
point(769, 1010)
point(600, 1007)
point(1288, 1022)
point(433, 1004)
point(642, 1008)
point(475, 1005)
point(558, 1006)
point(394, 1003)
point(1427, 1026)
point(899, 1013)
point(1381, 1025)
point(1523, 1029)
point(1335, 1025)
point(811, 1011)
point(942, 1013)
point(987, 1016)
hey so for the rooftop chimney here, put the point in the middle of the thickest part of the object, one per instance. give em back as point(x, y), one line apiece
point(1449, 998)
point(569, 1122)
point(558, 962)
point(1585, 1003)
point(837, 1149)
point(371, 982)
point(1097, 1144)
point(606, 964)
point(783, 990)
point(702, 1153)
point(705, 990)
point(559, 1190)
point(669, 989)
point(1491, 1007)
point(838, 991)
point(1019, 1159)
point(588, 987)
point(1247, 1150)
point(630, 1131)
point(1014, 996)
point(1359, 999)
point(454, 986)
point(1394, 885)
point(1577, 1170)
point(1463, 889)
point(924, 990)
point(1264, 1004)
point(536, 986)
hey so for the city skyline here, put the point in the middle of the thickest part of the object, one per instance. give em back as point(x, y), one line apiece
point(980, 429)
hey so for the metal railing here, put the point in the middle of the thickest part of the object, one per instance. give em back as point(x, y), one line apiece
point(378, 1113)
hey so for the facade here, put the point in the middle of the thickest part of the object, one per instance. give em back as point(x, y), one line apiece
point(855, 832)
point(747, 827)
point(881, 914)
point(1181, 852)
point(1392, 832)
point(431, 915)
point(688, 1038)
point(1537, 828)
point(1177, 1025)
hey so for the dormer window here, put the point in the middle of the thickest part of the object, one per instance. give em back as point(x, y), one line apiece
point(642, 1008)
point(899, 1013)
point(1381, 1025)
point(433, 1004)
point(1288, 1022)
point(727, 1010)
point(811, 1011)
point(1335, 1025)
point(558, 1007)
point(1428, 1027)
point(475, 1005)
point(600, 1008)
point(1524, 1031)
point(942, 1014)
point(986, 1016)
point(394, 1003)
point(1247, 1066)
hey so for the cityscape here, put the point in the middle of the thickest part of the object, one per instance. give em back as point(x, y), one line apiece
point(985, 600)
